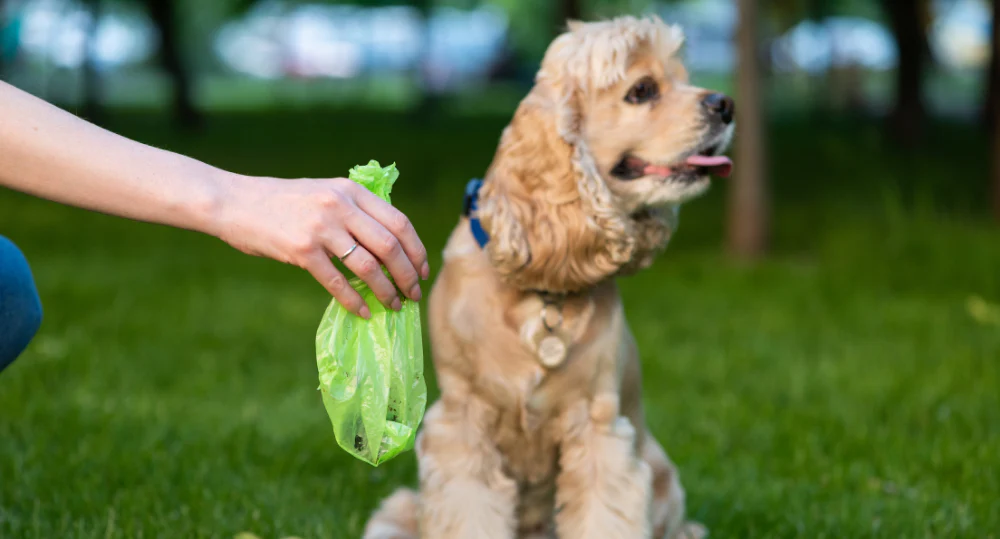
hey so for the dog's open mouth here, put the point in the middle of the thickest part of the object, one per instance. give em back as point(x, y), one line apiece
point(701, 164)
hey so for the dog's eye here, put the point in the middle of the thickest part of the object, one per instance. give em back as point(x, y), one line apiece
point(643, 91)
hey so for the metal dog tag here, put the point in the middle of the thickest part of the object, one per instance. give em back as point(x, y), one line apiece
point(552, 351)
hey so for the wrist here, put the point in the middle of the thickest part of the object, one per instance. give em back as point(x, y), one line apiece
point(231, 217)
point(213, 203)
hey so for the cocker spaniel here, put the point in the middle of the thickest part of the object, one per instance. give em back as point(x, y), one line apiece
point(539, 431)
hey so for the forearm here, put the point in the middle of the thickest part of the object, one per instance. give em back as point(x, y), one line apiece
point(52, 154)
point(47, 152)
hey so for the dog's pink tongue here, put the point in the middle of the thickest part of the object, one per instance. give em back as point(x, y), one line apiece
point(718, 165)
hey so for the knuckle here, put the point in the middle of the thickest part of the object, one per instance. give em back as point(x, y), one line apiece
point(338, 199)
point(407, 283)
point(337, 283)
point(399, 223)
point(390, 246)
point(369, 267)
point(351, 302)
point(344, 187)
point(328, 199)
point(302, 247)
point(316, 224)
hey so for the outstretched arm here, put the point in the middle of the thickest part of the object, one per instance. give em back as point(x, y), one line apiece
point(49, 153)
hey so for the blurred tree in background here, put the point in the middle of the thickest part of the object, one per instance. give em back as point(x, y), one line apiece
point(165, 15)
point(93, 107)
point(569, 10)
point(187, 30)
point(909, 21)
point(992, 96)
point(3, 37)
point(748, 195)
point(992, 108)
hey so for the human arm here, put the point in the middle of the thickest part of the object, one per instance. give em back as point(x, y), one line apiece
point(49, 153)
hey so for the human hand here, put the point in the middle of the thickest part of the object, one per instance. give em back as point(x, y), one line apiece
point(307, 222)
point(52, 154)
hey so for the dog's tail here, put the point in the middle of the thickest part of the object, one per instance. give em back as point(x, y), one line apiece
point(396, 518)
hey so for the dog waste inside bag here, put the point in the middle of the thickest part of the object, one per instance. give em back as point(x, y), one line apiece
point(371, 372)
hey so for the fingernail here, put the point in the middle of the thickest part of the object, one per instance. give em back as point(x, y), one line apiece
point(415, 293)
point(425, 271)
point(365, 313)
point(396, 304)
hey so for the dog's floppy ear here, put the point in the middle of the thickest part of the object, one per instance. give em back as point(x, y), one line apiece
point(551, 219)
point(554, 224)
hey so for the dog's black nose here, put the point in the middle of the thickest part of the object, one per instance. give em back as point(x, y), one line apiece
point(721, 106)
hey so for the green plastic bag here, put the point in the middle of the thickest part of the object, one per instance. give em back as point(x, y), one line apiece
point(371, 372)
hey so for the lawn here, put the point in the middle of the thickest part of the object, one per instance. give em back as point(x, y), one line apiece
point(846, 386)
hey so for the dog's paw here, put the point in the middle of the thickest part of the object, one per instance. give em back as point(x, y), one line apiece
point(692, 530)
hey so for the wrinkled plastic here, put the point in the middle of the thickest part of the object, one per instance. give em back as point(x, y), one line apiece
point(371, 372)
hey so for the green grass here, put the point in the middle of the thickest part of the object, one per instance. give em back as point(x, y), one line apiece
point(840, 388)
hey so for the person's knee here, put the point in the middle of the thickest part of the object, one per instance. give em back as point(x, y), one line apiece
point(32, 318)
point(20, 305)
point(28, 322)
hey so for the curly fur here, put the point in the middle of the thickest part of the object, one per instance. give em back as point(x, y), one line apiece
point(519, 447)
point(554, 223)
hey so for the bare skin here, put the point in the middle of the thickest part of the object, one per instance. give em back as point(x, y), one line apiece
point(49, 153)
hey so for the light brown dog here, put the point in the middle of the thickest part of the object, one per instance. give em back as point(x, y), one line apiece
point(539, 431)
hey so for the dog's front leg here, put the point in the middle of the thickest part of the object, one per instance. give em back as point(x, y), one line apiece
point(604, 489)
point(463, 488)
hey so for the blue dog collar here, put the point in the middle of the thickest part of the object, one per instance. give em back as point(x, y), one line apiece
point(469, 207)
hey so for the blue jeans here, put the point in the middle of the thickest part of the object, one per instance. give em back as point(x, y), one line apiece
point(20, 308)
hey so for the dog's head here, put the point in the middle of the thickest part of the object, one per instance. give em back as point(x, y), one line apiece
point(590, 173)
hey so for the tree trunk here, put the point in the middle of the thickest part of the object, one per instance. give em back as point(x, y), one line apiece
point(907, 21)
point(164, 16)
point(430, 101)
point(93, 109)
point(995, 111)
point(991, 100)
point(748, 219)
point(996, 165)
point(3, 41)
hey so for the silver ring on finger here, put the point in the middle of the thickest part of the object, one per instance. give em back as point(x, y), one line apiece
point(348, 252)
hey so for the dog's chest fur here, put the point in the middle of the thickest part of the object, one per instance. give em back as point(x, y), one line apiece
point(486, 343)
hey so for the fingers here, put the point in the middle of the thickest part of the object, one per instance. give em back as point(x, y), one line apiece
point(368, 268)
point(385, 246)
point(396, 223)
point(326, 274)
